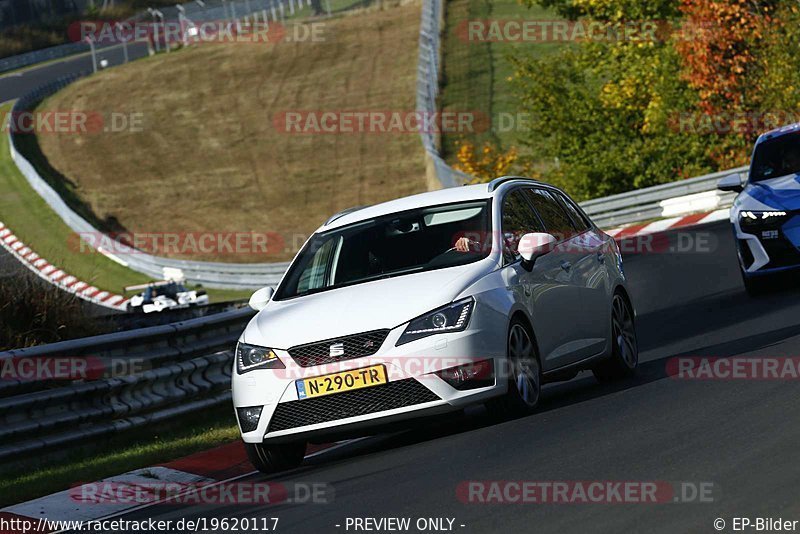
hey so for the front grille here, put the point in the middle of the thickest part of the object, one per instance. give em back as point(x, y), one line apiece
point(397, 394)
point(771, 234)
point(355, 346)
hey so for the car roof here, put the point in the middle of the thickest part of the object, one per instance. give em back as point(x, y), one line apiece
point(431, 198)
point(778, 132)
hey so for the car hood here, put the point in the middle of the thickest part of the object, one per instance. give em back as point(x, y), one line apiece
point(781, 193)
point(374, 305)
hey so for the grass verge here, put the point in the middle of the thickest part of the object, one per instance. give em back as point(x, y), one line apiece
point(212, 153)
point(35, 224)
point(122, 453)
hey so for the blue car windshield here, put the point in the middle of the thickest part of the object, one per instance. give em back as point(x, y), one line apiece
point(776, 157)
point(401, 243)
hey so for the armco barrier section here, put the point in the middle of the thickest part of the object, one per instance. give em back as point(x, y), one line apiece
point(674, 198)
point(136, 378)
point(37, 56)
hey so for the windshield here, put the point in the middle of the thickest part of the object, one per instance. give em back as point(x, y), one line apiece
point(776, 157)
point(397, 244)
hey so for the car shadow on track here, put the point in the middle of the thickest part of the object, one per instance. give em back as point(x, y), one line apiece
point(555, 396)
point(714, 312)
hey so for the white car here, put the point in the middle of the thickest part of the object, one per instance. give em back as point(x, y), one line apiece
point(425, 305)
point(164, 295)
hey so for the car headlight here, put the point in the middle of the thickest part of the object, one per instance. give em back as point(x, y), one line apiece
point(250, 357)
point(451, 318)
point(749, 218)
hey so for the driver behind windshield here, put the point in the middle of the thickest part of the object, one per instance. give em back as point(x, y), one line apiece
point(408, 242)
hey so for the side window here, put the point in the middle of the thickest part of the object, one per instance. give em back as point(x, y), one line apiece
point(555, 218)
point(518, 220)
point(317, 273)
point(580, 220)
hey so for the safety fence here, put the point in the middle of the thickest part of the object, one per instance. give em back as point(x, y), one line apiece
point(190, 12)
point(61, 394)
point(428, 65)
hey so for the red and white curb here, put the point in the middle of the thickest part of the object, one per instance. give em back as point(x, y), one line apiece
point(52, 274)
point(223, 464)
point(654, 227)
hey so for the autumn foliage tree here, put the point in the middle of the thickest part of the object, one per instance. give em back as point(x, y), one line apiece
point(717, 46)
point(620, 115)
point(484, 163)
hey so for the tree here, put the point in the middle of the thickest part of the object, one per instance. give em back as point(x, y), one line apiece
point(484, 164)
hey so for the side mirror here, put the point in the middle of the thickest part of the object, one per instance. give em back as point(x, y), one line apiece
point(534, 245)
point(732, 182)
point(260, 298)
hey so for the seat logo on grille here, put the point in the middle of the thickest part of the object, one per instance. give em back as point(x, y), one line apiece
point(337, 349)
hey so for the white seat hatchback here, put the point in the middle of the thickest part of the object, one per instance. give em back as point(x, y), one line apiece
point(424, 305)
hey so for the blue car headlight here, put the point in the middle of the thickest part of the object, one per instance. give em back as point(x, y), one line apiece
point(250, 357)
point(755, 219)
point(451, 318)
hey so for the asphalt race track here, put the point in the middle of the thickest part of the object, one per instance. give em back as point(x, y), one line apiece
point(741, 436)
point(18, 83)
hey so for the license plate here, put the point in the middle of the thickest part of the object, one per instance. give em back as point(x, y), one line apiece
point(343, 381)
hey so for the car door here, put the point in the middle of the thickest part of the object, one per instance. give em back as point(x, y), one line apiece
point(547, 291)
point(580, 266)
point(594, 275)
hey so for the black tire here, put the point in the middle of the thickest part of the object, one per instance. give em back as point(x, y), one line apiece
point(624, 360)
point(275, 458)
point(523, 372)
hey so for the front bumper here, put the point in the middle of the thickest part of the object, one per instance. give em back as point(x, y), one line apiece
point(769, 247)
point(412, 390)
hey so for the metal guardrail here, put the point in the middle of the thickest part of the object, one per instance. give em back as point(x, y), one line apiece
point(38, 56)
point(648, 203)
point(166, 371)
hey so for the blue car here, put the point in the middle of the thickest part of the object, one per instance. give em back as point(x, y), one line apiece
point(766, 213)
